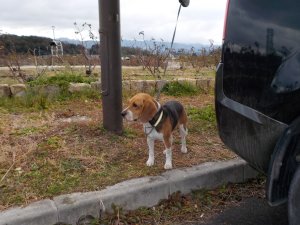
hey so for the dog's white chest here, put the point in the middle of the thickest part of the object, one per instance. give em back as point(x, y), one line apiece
point(151, 132)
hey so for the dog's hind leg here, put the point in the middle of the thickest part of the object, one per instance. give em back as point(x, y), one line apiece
point(150, 142)
point(168, 152)
point(183, 132)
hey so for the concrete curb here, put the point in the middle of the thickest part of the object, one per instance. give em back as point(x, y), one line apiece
point(131, 194)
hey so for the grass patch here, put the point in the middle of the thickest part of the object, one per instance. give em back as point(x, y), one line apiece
point(130, 133)
point(83, 95)
point(206, 113)
point(28, 131)
point(62, 80)
point(31, 100)
point(179, 89)
point(202, 119)
point(55, 157)
point(36, 100)
point(137, 72)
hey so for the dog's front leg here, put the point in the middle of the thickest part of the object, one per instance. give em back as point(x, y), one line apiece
point(168, 164)
point(150, 142)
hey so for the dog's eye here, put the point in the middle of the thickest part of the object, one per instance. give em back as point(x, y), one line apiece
point(134, 105)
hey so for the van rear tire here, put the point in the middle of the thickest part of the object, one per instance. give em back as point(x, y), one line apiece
point(294, 199)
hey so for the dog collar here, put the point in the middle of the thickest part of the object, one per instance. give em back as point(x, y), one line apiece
point(157, 118)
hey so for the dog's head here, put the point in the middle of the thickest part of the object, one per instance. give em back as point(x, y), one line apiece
point(142, 107)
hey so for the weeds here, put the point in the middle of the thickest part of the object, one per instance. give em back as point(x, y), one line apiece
point(54, 142)
point(58, 157)
point(130, 133)
point(180, 89)
point(202, 119)
point(28, 131)
point(207, 113)
point(30, 101)
point(62, 80)
point(37, 97)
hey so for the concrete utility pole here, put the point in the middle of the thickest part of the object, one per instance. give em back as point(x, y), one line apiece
point(111, 75)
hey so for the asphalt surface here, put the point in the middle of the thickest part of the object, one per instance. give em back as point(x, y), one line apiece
point(251, 211)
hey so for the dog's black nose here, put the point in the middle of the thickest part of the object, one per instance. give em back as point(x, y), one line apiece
point(123, 113)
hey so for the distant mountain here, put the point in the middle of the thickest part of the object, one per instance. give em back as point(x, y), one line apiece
point(88, 44)
point(141, 44)
point(22, 44)
point(39, 45)
point(71, 46)
point(177, 46)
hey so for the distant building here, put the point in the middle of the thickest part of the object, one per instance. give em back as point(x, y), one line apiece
point(56, 48)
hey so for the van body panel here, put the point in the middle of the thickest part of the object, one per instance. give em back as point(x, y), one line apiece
point(258, 79)
point(249, 133)
point(261, 56)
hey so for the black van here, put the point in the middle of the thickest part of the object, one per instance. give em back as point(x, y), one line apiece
point(258, 93)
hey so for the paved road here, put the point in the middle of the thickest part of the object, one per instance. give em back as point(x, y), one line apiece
point(251, 212)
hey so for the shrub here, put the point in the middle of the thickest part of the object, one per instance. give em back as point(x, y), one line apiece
point(31, 100)
point(37, 99)
point(62, 80)
point(179, 89)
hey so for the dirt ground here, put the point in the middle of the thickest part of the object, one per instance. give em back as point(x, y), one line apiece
point(65, 149)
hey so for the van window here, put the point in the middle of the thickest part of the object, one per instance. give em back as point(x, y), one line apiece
point(262, 56)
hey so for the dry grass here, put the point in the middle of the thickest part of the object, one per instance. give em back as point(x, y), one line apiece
point(133, 73)
point(54, 152)
point(128, 73)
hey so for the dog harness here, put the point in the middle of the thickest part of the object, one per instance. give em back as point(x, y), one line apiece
point(172, 110)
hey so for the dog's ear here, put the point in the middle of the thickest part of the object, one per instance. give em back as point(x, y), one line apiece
point(155, 103)
point(149, 110)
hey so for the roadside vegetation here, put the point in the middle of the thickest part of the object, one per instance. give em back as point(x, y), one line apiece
point(180, 89)
point(37, 98)
point(53, 143)
point(55, 146)
point(62, 79)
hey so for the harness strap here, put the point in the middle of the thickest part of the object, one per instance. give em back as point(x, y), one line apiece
point(153, 122)
point(159, 118)
point(153, 126)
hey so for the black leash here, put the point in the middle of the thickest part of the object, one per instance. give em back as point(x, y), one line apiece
point(175, 26)
point(167, 62)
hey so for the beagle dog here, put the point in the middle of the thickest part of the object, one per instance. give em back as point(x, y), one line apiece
point(158, 122)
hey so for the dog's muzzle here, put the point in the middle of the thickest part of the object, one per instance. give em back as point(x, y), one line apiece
point(123, 113)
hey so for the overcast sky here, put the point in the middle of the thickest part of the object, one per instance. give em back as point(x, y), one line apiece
point(201, 21)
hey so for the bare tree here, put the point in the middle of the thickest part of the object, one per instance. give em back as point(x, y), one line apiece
point(153, 55)
point(79, 30)
point(40, 64)
point(13, 63)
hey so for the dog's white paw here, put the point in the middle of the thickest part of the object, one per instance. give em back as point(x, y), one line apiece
point(183, 149)
point(150, 162)
point(168, 166)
